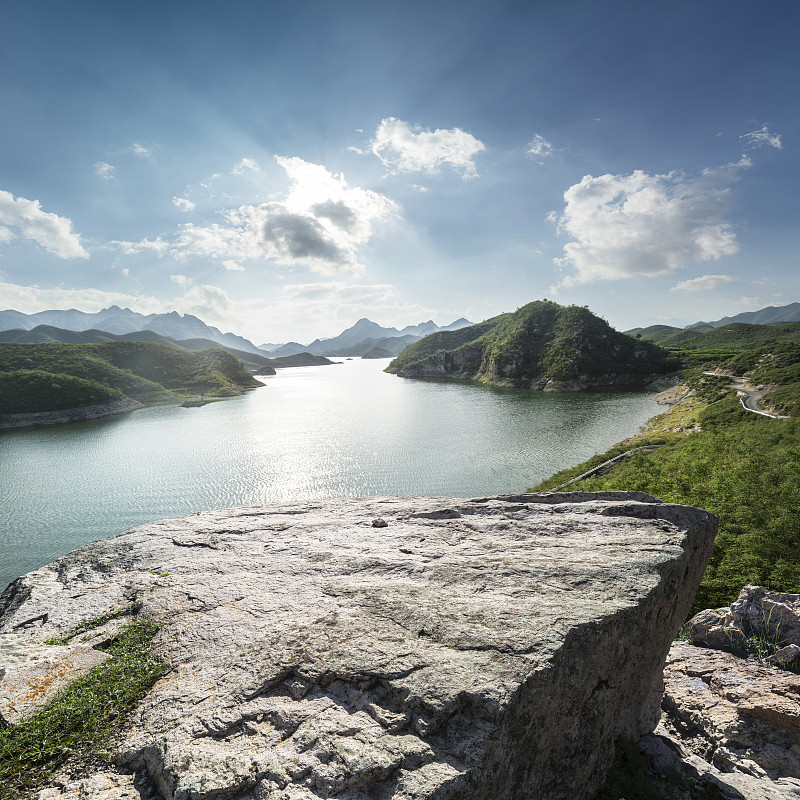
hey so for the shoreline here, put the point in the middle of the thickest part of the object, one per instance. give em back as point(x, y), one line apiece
point(65, 415)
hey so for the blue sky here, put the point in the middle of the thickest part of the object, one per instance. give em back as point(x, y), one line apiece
point(281, 169)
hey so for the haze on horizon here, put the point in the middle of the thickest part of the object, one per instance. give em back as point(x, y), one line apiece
point(281, 170)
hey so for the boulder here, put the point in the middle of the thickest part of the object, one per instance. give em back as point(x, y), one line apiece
point(487, 649)
point(770, 620)
point(775, 615)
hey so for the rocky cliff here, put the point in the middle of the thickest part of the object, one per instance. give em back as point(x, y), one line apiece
point(414, 648)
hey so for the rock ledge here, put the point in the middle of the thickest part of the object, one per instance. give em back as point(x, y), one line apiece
point(470, 649)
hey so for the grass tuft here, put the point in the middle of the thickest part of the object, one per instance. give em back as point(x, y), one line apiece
point(81, 721)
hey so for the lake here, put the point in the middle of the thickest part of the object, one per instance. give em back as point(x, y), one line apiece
point(334, 431)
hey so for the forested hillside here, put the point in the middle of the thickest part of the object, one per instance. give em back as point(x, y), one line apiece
point(541, 345)
point(51, 376)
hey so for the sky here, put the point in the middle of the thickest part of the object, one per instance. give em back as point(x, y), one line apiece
point(281, 169)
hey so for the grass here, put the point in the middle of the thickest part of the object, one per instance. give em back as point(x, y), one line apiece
point(84, 719)
point(741, 467)
point(93, 624)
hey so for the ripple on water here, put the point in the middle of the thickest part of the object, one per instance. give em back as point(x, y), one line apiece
point(346, 431)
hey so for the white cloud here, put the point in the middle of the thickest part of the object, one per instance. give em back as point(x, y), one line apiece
point(320, 224)
point(403, 148)
point(181, 280)
point(158, 245)
point(762, 138)
point(125, 271)
point(52, 232)
point(6, 234)
point(140, 150)
point(244, 165)
point(701, 284)
point(183, 203)
point(211, 304)
point(104, 170)
point(645, 225)
point(750, 303)
point(540, 148)
point(232, 266)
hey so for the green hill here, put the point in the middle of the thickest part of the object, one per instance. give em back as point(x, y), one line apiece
point(377, 352)
point(86, 374)
point(49, 333)
point(296, 360)
point(540, 346)
point(736, 336)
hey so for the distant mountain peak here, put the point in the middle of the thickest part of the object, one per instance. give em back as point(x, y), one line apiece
point(119, 321)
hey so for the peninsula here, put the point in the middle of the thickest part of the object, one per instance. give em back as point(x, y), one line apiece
point(543, 346)
point(52, 382)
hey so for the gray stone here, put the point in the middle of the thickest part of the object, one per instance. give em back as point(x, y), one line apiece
point(488, 649)
point(33, 673)
point(690, 775)
point(773, 614)
point(102, 786)
point(788, 656)
point(716, 628)
point(736, 714)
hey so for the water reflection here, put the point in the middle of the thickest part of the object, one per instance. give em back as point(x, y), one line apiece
point(348, 430)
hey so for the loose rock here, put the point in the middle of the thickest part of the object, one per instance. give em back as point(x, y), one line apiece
point(734, 713)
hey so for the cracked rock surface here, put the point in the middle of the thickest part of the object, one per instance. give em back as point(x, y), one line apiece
point(738, 715)
point(487, 649)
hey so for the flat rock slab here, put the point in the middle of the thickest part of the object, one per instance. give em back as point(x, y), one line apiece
point(103, 786)
point(487, 649)
point(32, 673)
point(735, 713)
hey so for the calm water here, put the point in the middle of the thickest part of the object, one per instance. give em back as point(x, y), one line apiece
point(333, 431)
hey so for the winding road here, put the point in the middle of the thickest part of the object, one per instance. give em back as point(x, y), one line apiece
point(749, 398)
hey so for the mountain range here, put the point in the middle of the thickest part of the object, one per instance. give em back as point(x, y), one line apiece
point(354, 341)
point(259, 363)
point(365, 335)
point(122, 320)
point(764, 316)
point(749, 329)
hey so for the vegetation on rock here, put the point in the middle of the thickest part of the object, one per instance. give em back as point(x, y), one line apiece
point(84, 718)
